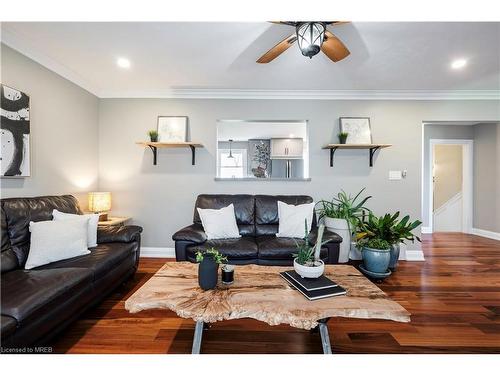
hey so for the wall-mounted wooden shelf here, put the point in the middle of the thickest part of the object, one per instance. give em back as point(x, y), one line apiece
point(372, 148)
point(154, 146)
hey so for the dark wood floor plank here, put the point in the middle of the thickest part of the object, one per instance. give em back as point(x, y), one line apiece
point(454, 299)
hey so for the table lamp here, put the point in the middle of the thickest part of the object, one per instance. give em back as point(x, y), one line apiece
point(100, 203)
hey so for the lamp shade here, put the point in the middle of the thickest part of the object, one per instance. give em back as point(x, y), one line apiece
point(310, 36)
point(99, 201)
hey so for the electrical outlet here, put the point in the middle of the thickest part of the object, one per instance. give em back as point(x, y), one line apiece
point(395, 175)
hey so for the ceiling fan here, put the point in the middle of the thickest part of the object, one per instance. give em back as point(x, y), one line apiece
point(312, 37)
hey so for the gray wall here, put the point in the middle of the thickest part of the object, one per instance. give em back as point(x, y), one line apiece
point(161, 197)
point(64, 131)
point(486, 177)
point(439, 132)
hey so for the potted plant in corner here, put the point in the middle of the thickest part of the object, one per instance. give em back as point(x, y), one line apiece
point(342, 215)
point(208, 270)
point(307, 262)
point(399, 233)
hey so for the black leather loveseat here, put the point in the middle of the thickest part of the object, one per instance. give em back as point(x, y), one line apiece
point(257, 219)
point(36, 304)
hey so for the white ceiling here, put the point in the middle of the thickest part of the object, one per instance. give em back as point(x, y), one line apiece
point(165, 56)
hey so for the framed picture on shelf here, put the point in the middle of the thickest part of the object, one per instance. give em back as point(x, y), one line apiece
point(15, 135)
point(358, 129)
point(172, 128)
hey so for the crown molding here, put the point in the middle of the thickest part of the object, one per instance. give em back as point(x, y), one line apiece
point(308, 94)
point(26, 48)
point(21, 45)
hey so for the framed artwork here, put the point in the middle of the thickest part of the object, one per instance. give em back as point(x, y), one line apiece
point(259, 158)
point(358, 128)
point(15, 133)
point(172, 128)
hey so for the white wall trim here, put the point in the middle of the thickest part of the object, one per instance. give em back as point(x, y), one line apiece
point(467, 181)
point(414, 256)
point(426, 230)
point(157, 252)
point(307, 94)
point(486, 233)
point(26, 48)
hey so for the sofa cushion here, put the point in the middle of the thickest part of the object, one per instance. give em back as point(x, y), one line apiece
point(244, 209)
point(20, 211)
point(283, 248)
point(266, 211)
point(8, 326)
point(8, 261)
point(233, 248)
point(29, 293)
point(101, 259)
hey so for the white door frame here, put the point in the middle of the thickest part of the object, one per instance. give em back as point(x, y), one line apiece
point(467, 180)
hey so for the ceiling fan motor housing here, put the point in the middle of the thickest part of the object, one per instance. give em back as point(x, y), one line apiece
point(310, 36)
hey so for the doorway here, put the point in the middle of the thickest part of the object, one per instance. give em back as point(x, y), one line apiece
point(451, 181)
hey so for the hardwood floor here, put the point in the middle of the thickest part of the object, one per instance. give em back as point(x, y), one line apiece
point(454, 299)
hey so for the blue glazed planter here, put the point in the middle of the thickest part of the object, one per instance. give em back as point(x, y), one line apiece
point(393, 264)
point(376, 260)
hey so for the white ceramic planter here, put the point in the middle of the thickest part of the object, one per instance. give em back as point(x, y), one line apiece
point(355, 253)
point(309, 272)
point(340, 227)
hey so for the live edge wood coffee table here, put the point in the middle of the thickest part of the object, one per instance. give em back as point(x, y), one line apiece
point(259, 292)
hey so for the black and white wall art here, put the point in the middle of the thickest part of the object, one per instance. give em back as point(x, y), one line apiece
point(15, 132)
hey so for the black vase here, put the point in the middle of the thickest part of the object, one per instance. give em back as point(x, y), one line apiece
point(208, 272)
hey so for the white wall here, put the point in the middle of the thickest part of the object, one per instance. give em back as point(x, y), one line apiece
point(64, 131)
point(161, 197)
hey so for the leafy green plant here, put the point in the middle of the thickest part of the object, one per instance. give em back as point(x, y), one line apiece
point(307, 255)
point(345, 206)
point(212, 252)
point(343, 137)
point(376, 243)
point(386, 228)
point(153, 135)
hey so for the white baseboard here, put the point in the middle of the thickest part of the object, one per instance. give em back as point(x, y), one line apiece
point(157, 252)
point(486, 233)
point(425, 230)
point(414, 256)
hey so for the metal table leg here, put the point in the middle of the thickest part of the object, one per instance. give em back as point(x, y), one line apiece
point(198, 333)
point(325, 338)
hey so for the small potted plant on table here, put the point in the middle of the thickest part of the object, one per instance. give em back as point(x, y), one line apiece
point(153, 135)
point(307, 262)
point(343, 137)
point(208, 270)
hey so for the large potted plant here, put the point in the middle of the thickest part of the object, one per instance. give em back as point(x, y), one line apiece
point(342, 215)
point(208, 270)
point(388, 229)
point(307, 262)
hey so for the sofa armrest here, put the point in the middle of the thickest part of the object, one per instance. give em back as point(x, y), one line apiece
point(327, 236)
point(332, 240)
point(192, 233)
point(127, 233)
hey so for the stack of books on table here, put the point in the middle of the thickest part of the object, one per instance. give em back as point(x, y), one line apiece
point(313, 289)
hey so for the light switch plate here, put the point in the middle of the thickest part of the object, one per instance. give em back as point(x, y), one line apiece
point(395, 175)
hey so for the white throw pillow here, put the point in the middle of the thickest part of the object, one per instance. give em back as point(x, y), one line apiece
point(219, 224)
point(292, 219)
point(92, 226)
point(56, 240)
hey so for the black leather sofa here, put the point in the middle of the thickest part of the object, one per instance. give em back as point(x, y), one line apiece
point(36, 304)
point(257, 219)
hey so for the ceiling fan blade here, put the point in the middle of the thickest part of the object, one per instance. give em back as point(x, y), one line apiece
point(334, 48)
point(277, 50)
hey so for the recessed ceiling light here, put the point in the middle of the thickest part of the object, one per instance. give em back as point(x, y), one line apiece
point(458, 64)
point(122, 62)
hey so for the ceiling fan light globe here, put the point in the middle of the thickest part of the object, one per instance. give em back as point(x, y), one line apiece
point(310, 37)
